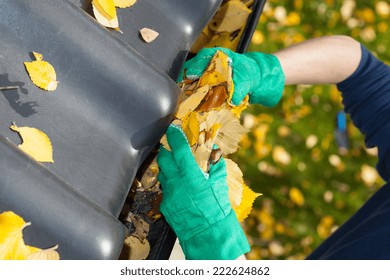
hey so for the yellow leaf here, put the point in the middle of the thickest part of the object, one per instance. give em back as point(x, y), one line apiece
point(103, 17)
point(217, 72)
point(237, 110)
point(230, 17)
point(235, 182)
point(231, 131)
point(190, 127)
point(136, 250)
point(12, 246)
point(296, 196)
point(106, 7)
point(124, 3)
point(245, 207)
point(280, 155)
point(149, 35)
point(35, 143)
point(47, 254)
point(369, 175)
point(189, 105)
point(42, 73)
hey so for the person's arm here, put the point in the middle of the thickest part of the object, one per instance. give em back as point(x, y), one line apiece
point(325, 60)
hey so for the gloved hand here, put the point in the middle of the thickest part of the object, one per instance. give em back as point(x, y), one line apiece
point(254, 73)
point(196, 204)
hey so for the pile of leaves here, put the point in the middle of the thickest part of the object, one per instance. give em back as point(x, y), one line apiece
point(212, 126)
point(226, 27)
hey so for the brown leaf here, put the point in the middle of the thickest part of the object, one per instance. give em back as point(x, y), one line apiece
point(148, 35)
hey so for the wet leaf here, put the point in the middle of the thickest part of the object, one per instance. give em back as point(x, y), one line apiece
point(148, 35)
point(42, 73)
point(35, 143)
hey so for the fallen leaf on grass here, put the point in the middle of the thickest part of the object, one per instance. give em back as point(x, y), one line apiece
point(42, 73)
point(35, 143)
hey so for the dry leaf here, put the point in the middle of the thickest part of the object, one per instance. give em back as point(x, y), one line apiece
point(217, 72)
point(232, 16)
point(103, 17)
point(189, 105)
point(141, 227)
point(105, 7)
point(124, 3)
point(42, 73)
point(137, 250)
point(190, 127)
point(245, 207)
point(215, 98)
point(149, 35)
point(47, 254)
point(12, 246)
point(231, 130)
point(35, 143)
point(235, 182)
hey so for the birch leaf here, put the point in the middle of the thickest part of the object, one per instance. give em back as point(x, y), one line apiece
point(47, 254)
point(190, 127)
point(137, 250)
point(103, 17)
point(189, 105)
point(12, 246)
point(148, 35)
point(231, 16)
point(124, 3)
point(230, 132)
point(105, 7)
point(217, 72)
point(35, 143)
point(42, 73)
point(235, 182)
point(245, 207)
point(214, 99)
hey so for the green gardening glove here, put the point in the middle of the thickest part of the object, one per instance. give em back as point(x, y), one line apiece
point(257, 74)
point(196, 205)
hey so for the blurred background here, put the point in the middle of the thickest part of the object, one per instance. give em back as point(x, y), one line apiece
point(304, 155)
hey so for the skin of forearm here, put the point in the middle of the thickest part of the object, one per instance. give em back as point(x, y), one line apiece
point(325, 60)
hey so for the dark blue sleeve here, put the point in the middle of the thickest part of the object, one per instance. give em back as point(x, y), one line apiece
point(366, 98)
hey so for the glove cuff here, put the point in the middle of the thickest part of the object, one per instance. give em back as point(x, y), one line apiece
point(271, 80)
point(224, 240)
